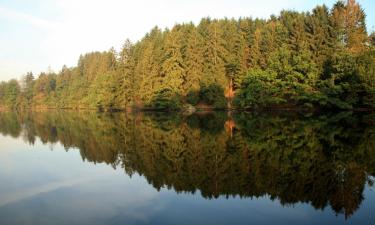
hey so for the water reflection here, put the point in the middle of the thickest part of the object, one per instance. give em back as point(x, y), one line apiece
point(325, 161)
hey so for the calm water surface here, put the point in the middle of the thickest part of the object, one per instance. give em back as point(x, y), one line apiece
point(89, 168)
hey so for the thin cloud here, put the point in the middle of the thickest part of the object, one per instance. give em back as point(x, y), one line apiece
point(25, 18)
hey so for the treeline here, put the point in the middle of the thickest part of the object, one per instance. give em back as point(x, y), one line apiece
point(325, 161)
point(318, 59)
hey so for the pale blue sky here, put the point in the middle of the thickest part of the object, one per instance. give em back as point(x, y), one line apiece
point(37, 34)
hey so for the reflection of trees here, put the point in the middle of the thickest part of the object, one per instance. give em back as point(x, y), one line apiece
point(321, 160)
point(9, 124)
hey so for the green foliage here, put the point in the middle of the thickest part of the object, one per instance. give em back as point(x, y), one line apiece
point(193, 97)
point(366, 73)
point(9, 94)
point(333, 94)
point(259, 89)
point(213, 95)
point(323, 58)
point(166, 99)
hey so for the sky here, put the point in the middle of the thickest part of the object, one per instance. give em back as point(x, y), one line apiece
point(37, 35)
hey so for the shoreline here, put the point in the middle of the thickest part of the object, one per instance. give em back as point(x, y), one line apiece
point(197, 109)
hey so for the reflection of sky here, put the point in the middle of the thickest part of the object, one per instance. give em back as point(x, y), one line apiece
point(56, 184)
point(40, 186)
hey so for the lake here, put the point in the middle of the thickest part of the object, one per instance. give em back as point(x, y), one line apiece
point(208, 168)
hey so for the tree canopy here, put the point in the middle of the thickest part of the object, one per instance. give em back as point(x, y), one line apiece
point(319, 59)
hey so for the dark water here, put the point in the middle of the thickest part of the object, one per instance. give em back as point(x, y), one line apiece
point(89, 168)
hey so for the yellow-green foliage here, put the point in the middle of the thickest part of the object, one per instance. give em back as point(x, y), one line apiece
point(323, 58)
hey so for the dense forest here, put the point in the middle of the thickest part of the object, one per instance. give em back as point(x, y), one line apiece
point(323, 59)
point(325, 161)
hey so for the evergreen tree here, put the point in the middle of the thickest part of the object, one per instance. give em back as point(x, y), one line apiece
point(173, 66)
point(319, 35)
point(322, 59)
point(192, 52)
point(126, 69)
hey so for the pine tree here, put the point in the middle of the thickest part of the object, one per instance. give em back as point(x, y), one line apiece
point(173, 66)
point(127, 65)
point(213, 52)
point(256, 60)
point(236, 48)
point(348, 22)
point(323, 57)
point(147, 70)
point(356, 27)
point(27, 87)
point(319, 35)
point(192, 52)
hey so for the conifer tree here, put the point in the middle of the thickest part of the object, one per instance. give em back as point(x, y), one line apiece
point(173, 66)
point(192, 52)
point(323, 58)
